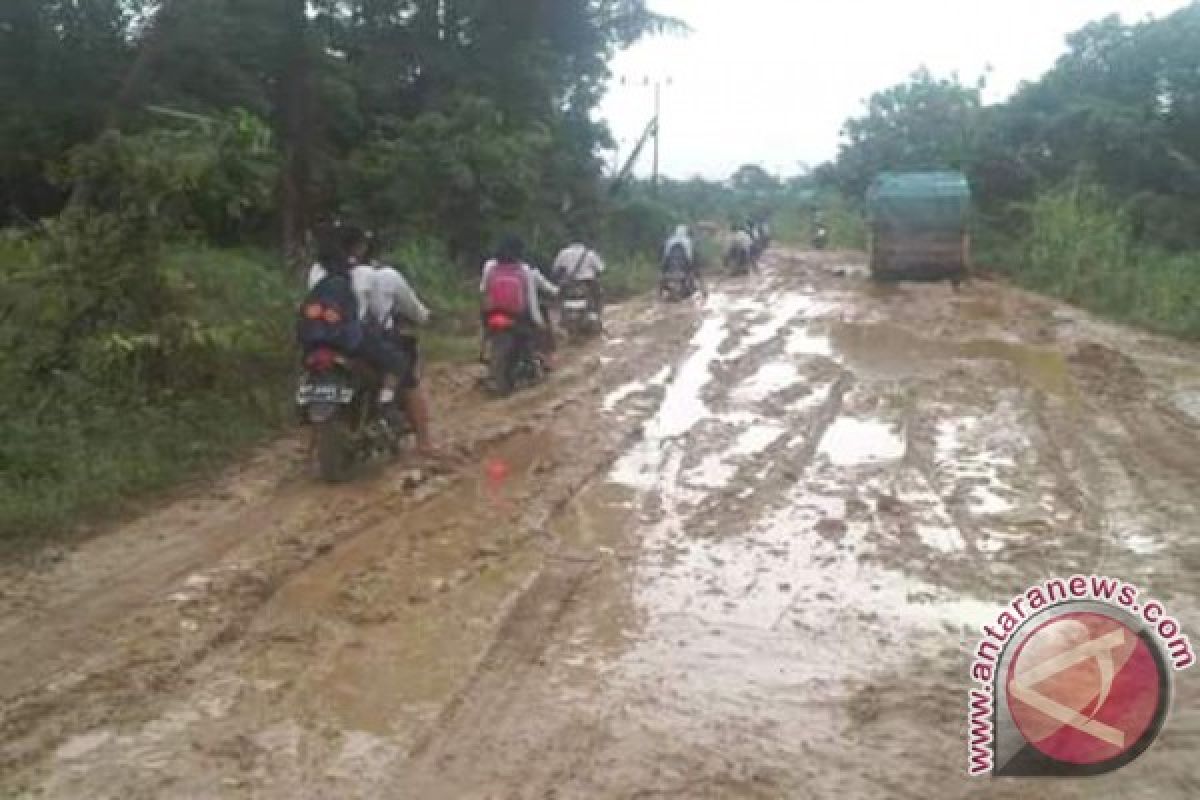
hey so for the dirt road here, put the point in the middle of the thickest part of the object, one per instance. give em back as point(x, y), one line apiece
point(737, 550)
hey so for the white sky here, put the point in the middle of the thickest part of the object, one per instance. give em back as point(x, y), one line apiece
point(772, 81)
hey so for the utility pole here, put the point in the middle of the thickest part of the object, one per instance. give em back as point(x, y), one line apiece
point(657, 131)
point(655, 127)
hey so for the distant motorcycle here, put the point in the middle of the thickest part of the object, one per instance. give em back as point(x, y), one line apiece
point(512, 359)
point(338, 397)
point(581, 312)
point(820, 238)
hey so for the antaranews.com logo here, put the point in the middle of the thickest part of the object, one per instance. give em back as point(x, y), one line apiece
point(1073, 678)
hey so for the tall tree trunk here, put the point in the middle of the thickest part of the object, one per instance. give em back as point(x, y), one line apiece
point(296, 124)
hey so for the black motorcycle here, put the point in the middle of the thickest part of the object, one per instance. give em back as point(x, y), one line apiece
point(581, 312)
point(512, 359)
point(339, 398)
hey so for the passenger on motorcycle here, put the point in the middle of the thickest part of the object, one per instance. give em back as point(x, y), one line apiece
point(342, 282)
point(500, 273)
point(396, 309)
point(579, 263)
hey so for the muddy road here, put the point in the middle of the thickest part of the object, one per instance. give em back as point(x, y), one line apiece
point(738, 549)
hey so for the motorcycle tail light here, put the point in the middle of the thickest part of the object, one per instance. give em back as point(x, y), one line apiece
point(321, 360)
point(500, 322)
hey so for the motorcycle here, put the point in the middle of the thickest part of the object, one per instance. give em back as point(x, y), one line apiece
point(820, 238)
point(738, 261)
point(513, 362)
point(677, 284)
point(581, 315)
point(338, 397)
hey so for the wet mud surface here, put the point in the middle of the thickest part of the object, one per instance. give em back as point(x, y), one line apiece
point(735, 549)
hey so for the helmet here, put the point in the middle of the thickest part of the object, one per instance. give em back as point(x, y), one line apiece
point(511, 249)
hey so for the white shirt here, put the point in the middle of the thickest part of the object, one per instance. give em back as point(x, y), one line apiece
point(391, 294)
point(362, 278)
point(534, 280)
point(743, 240)
point(589, 263)
point(680, 237)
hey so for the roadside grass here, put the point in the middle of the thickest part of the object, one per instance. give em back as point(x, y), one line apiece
point(85, 444)
point(629, 276)
point(1080, 248)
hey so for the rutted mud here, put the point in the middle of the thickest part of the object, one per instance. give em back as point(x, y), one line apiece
point(736, 551)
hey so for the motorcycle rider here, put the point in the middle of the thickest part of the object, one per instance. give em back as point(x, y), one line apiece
point(679, 248)
point(820, 231)
point(341, 279)
point(397, 310)
point(741, 248)
point(579, 263)
point(511, 253)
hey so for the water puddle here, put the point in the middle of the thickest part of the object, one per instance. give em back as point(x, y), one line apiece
point(717, 471)
point(769, 379)
point(618, 396)
point(783, 310)
point(804, 562)
point(852, 442)
point(803, 342)
point(1144, 544)
point(1188, 402)
point(985, 500)
point(892, 351)
point(943, 539)
point(976, 458)
point(683, 406)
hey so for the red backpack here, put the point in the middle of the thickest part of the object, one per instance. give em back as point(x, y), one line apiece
point(506, 289)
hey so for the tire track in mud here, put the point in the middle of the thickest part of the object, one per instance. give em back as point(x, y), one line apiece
point(636, 735)
point(142, 667)
point(469, 725)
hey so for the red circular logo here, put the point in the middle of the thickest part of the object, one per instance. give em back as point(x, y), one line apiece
point(1084, 689)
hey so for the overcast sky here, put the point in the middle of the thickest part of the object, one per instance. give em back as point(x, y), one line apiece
point(772, 81)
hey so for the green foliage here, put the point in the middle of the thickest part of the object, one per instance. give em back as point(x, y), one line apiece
point(145, 145)
point(630, 275)
point(135, 411)
point(1087, 181)
point(464, 170)
point(1080, 247)
point(924, 124)
point(451, 294)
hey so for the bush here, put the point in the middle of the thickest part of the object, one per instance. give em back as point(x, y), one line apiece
point(133, 412)
point(1079, 246)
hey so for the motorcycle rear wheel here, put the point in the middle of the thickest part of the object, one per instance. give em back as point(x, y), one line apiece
point(500, 367)
point(335, 456)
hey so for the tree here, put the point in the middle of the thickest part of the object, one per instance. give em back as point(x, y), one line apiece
point(753, 179)
point(926, 123)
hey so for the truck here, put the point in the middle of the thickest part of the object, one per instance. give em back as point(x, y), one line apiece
point(917, 223)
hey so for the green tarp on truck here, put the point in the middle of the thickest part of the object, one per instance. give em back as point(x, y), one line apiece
point(918, 224)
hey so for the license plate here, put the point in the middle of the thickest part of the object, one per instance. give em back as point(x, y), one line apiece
point(575, 305)
point(310, 393)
